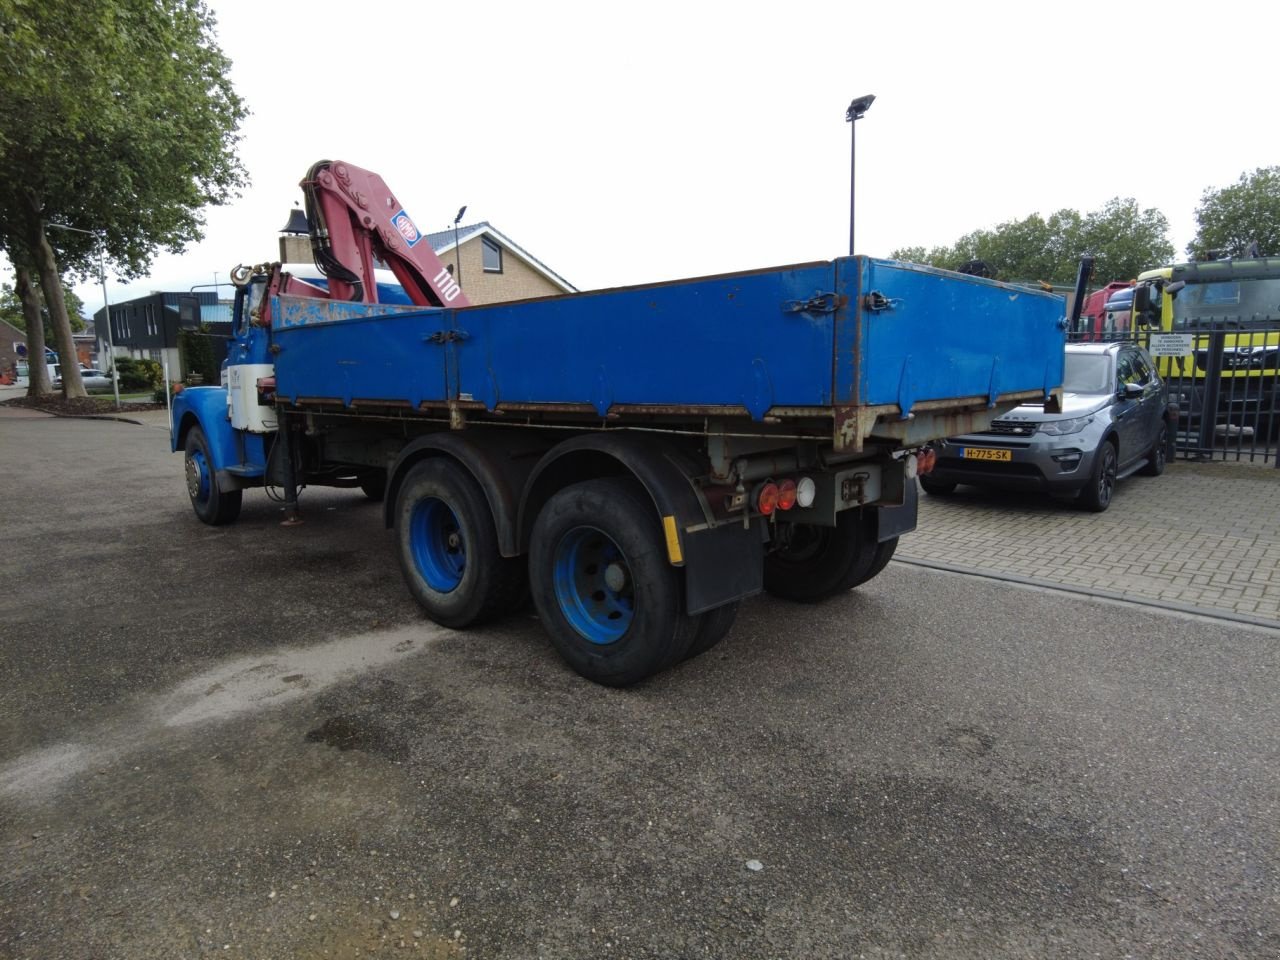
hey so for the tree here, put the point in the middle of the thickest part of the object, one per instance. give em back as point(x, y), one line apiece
point(1233, 218)
point(11, 309)
point(1124, 239)
point(115, 116)
point(38, 379)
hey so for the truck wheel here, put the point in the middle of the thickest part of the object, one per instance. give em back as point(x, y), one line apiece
point(598, 571)
point(214, 506)
point(884, 553)
point(1097, 493)
point(714, 627)
point(812, 563)
point(448, 547)
point(1157, 454)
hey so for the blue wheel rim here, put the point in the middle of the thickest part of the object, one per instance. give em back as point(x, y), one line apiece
point(198, 476)
point(435, 540)
point(593, 585)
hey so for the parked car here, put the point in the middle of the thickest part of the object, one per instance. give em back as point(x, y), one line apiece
point(89, 377)
point(1114, 422)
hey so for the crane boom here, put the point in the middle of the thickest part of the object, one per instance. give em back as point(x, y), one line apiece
point(355, 219)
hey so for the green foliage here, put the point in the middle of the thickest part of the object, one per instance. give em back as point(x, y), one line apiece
point(11, 310)
point(1232, 218)
point(1124, 239)
point(198, 356)
point(138, 374)
point(115, 115)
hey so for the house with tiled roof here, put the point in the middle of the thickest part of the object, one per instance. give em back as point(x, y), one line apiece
point(491, 267)
point(488, 265)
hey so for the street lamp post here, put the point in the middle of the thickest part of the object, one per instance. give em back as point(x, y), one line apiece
point(100, 243)
point(457, 254)
point(855, 113)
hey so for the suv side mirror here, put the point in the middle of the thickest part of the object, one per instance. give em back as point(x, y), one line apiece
point(1131, 390)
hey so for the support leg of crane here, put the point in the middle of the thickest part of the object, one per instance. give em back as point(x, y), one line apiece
point(292, 516)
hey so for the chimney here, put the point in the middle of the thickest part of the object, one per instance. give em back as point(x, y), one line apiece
point(295, 239)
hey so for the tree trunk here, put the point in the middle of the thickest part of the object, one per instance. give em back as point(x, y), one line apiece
point(38, 384)
point(51, 285)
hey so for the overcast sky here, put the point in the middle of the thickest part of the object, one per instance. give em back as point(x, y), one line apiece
point(627, 143)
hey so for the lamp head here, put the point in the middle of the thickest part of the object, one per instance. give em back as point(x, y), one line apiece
point(859, 107)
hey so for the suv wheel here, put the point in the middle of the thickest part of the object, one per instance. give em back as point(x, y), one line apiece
point(1096, 496)
point(1157, 454)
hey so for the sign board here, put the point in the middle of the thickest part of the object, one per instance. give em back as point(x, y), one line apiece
point(1170, 345)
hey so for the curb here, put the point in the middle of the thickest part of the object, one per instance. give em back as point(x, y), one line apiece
point(1168, 606)
point(88, 416)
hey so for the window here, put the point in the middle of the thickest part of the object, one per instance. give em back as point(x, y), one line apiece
point(1086, 373)
point(1143, 369)
point(492, 255)
point(1131, 368)
point(1124, 369)
point(1248, 302)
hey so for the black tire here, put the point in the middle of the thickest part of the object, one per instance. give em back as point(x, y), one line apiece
point(448, 547)
point(1097, 493)
point(606, 594)
point(214, 506)
point(884, 553)
point(1158, 453)
point(714, 626)
point(937, 488)
point(815, 563)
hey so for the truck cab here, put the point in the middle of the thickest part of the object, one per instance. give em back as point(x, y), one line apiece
point(1219, 343)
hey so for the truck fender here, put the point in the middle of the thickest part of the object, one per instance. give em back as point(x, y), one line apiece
point(498, 463)
point(206, 407)
point(722, 563)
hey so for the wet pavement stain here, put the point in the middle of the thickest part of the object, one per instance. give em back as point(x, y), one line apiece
point(965, 739)
point(368, 733)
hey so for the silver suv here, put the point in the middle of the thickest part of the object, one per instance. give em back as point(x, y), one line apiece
point(1114, 422)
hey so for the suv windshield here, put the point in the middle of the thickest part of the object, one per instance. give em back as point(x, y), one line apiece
point(1088, 373)
point(1233, 302)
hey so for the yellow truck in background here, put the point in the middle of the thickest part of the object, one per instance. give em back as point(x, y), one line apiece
point(1214, 330)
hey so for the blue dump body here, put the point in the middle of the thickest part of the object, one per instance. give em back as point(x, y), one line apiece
point(839, 339)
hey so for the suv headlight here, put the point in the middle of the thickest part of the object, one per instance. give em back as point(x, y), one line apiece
point(1064, 428)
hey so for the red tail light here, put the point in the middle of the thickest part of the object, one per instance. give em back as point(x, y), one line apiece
point(927, 461)
point(786, 494)
point(767, 498)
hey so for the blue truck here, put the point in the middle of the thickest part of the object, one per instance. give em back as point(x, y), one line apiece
point(633, 461)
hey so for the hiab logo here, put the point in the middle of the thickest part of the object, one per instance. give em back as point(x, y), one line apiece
point(407, 230)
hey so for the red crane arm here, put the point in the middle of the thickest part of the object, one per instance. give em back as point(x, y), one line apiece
point(355, 219)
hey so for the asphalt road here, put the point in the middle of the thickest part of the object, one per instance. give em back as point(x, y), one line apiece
point(246, 742)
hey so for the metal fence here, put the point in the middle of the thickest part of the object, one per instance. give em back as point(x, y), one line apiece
point(1224, 386)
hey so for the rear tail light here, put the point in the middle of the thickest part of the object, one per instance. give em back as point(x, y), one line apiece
point(786, 494)
point(767, 499)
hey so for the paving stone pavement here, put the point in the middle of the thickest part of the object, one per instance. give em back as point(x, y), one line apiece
point(1203, 536)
